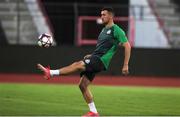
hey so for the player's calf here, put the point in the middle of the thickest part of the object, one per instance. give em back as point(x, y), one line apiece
point(76, 66)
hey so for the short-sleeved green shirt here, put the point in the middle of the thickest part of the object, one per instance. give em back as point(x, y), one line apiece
point(107, 43)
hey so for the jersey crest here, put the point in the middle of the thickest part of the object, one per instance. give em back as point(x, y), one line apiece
point(108, 32)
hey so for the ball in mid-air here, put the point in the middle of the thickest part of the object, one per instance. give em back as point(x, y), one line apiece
point(45, 40)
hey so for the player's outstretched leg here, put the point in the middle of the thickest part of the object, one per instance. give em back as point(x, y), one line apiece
point(48, 73)
point(83, 85)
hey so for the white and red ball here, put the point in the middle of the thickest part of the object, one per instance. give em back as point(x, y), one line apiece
point(45, 40)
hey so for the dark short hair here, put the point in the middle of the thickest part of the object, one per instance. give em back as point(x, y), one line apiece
point(109, 9)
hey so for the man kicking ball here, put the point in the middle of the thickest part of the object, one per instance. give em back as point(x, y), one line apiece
point(107, 44)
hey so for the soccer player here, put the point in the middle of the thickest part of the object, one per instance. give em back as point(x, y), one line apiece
point(107, 44)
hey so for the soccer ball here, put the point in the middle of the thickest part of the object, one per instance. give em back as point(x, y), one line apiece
point(45, 40)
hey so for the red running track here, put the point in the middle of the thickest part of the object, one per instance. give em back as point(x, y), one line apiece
point(99, 80)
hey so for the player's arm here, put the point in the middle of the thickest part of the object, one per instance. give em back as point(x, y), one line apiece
point(127, 54)
point(123, 41)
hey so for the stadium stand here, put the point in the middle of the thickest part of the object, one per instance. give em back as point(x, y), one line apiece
point(18, 26)
point(168, 14)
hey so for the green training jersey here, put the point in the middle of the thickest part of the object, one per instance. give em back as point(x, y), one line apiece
point(107, 43)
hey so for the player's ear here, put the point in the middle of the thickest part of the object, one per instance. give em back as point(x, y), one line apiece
point(112, 15)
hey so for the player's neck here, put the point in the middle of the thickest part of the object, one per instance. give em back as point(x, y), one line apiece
point(110, 24)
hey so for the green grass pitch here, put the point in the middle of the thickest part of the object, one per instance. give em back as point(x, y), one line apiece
point(61, 100)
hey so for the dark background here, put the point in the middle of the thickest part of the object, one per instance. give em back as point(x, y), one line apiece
point(144, 62)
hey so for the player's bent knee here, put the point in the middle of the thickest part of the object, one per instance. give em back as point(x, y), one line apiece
point(79, 65)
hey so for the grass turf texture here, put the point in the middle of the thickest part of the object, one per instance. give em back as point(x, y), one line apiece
point(56, 100)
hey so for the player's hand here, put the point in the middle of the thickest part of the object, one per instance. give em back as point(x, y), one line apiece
point(87, 56)
point(125, 70)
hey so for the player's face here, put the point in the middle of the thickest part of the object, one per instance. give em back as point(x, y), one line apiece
point(105, 16)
